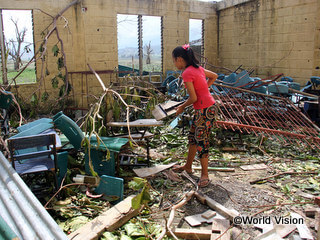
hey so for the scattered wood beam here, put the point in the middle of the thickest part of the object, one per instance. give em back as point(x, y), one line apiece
point(109, 220)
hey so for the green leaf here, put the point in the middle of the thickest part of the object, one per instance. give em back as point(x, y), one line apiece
point(34, 99)
point(60, 63)
point(136, 201)
point(137, 183)
point(63, 89)
point(41, 48)
point(108, 236)
point(133, 229)
point(63, 77)
point(77, 222)
point(44, 96)
point(55, 50)
point(55, 82)
point(125, 237)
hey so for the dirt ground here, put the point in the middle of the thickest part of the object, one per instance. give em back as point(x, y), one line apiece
point(234, 191)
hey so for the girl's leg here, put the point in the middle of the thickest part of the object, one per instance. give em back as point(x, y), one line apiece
point(204, 168)
point(192, 151)
point(191, 155)
point(204, 178)
point(204, 144)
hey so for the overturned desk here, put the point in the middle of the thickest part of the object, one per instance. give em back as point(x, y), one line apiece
point(137, 134)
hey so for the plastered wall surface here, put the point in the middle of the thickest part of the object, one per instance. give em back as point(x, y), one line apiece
point(89, 34)
point(271, 36)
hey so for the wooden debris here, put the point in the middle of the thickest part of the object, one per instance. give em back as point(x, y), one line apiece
point(304, 231)
point(208, 214)
point(220, 229)
point(218, 169)
point(227, 213)
point(109, 220)
point(279, 174)
point(146, 172)
point(252, 167)
point(264, 227)
point(232, 149)
point(186, 198)
point(185, 233)
point(311, 212)
point(237, 234)
point(285, 230)
point(172, 175)
point(270, 235)
point(305, 195)
point(197, 219)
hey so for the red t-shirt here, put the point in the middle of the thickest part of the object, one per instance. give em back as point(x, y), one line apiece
point(198, 78)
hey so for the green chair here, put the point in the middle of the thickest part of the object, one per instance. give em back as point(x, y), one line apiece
point(98, 151)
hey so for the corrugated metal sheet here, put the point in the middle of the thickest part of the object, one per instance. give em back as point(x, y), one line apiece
point(21, 210)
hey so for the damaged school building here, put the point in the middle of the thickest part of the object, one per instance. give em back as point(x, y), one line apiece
point(267, 55)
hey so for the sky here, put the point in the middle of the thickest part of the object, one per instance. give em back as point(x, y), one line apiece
point(128, 30)
point(24, 18)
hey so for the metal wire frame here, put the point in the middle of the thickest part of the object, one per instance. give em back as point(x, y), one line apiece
point(258, 113)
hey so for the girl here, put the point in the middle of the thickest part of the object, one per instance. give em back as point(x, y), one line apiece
point(194, 78)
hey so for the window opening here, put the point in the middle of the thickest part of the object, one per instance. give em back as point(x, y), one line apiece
point(128, 55)
point(139, 44)
point(196, 36)
point(152, 44)
point(18, 45)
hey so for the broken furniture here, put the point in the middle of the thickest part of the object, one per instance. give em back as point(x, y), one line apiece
point(98, 148)
point(111, 187)
point(125, 159)
point(26, 158)
point(21, 210)
point(5, 102)
point(45, 126)
point(265, 115)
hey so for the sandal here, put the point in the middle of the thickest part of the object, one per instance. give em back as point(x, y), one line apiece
point(179, 169)
point(204, 182)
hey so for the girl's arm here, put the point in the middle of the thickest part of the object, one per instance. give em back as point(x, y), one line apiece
point(211, 75)
point(192, 98)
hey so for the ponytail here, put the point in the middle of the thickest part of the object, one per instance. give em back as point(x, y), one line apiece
point(187, 54)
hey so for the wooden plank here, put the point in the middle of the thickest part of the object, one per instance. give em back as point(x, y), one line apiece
point(303, 230)
point(137, 123)
point(220, 226)
point(228, 213)
point(285, 230)
point(146, 172)
point(197, 219)
point(218, 169)
point(191, 234)
point(252, 167)
point(208, 214)
point(109, 220)
point(137, 135)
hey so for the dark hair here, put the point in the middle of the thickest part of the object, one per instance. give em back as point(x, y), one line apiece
point(187, 54)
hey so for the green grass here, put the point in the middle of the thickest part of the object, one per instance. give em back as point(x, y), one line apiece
point(155, 65)
point(28, 75)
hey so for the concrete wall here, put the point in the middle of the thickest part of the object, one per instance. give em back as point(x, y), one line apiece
point(271, 36)
point(91, 36)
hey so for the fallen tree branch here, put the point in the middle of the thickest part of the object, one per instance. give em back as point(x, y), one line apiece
point(186, 198)
point(279, 174)
point(15, 101)
point(62, 187)
point(281, 204)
